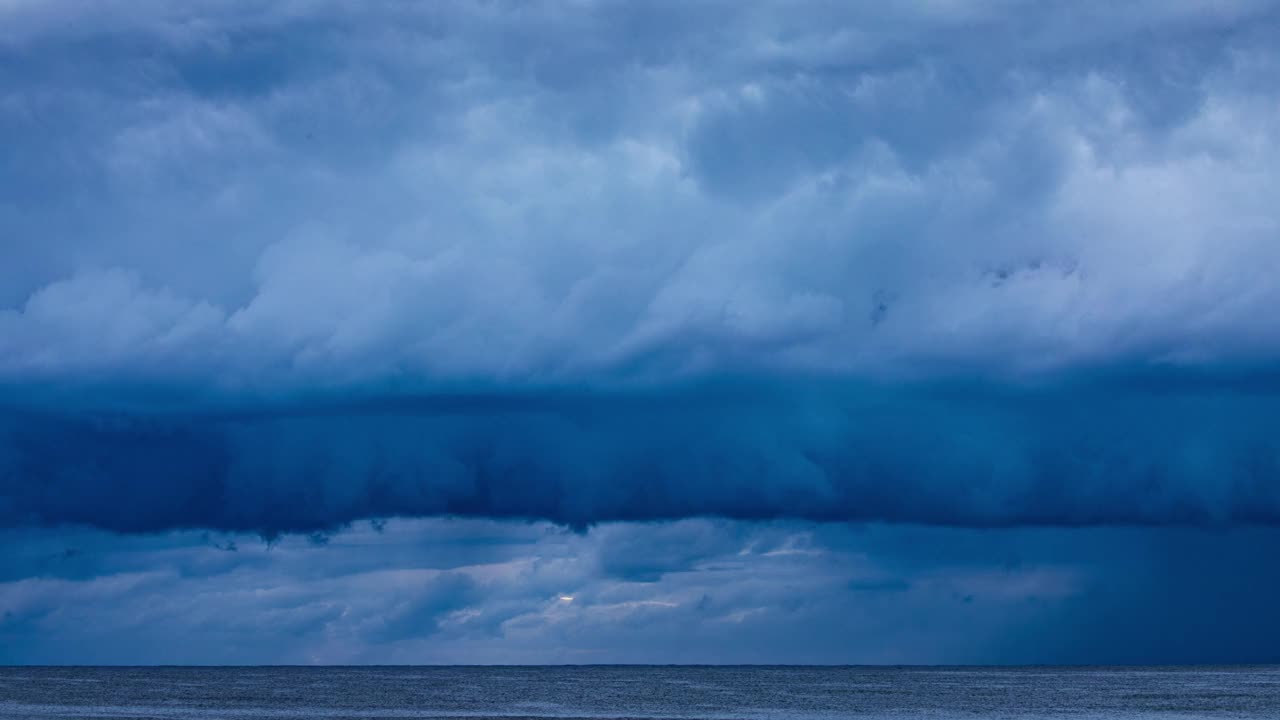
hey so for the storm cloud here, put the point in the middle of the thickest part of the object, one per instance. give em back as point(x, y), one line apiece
point(991, 264)
point(1121, 451)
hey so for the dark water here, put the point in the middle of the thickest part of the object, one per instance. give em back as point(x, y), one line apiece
point(640, 692)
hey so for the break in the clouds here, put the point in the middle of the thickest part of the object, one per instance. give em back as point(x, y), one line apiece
point(693, 591)
point(275, 269)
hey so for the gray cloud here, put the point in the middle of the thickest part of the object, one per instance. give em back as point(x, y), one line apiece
point(241, 197)
point(782, 592)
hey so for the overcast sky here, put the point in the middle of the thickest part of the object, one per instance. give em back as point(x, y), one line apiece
point(650, 332)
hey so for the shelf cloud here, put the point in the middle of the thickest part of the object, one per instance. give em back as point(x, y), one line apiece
point(279, 269)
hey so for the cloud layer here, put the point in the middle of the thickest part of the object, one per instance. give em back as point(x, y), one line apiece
point(989, 264)
point(1117, 452)
point(440, 591)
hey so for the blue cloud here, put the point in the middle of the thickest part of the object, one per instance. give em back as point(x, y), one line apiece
point(999, 276)
point(248, 197)
point(1100, 452)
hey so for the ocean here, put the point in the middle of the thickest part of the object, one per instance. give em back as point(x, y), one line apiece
point(1083, 693)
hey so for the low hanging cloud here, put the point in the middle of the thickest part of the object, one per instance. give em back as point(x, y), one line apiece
point(1116, 452)
point(279, 269)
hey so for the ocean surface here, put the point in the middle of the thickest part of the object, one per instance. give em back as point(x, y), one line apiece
point(641, 692)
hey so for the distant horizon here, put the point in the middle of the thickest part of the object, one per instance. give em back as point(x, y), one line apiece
point(907, 666)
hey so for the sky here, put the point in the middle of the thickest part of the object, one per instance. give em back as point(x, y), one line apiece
point(595, 331)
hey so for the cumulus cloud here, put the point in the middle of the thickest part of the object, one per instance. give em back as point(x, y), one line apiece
point(466, 191)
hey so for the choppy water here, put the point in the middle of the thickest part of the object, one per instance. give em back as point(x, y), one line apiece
point(640, 692)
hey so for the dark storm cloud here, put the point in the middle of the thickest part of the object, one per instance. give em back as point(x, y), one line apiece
point(999, 275)
point(1106, 451)
point(525, 255)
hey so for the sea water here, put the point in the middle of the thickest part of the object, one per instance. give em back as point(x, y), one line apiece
point(1084, 693)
